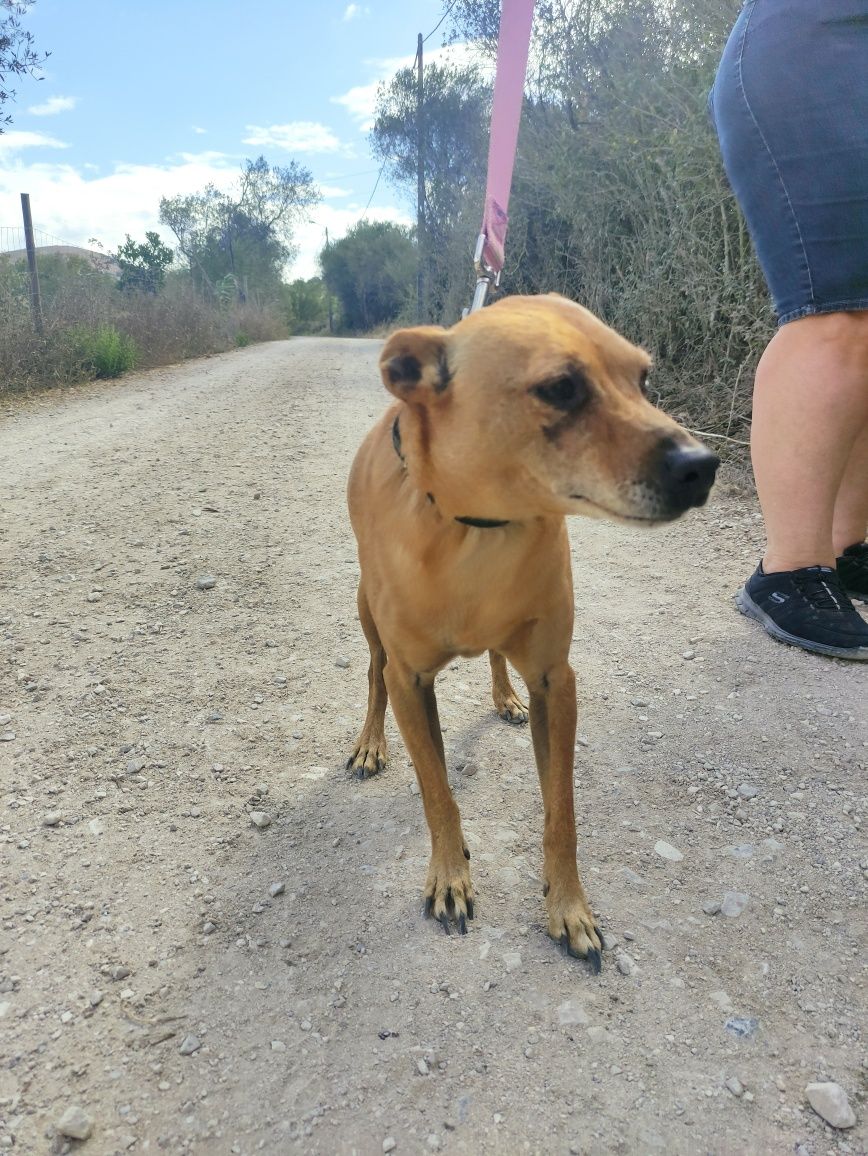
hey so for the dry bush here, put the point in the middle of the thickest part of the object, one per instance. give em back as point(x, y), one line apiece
point(80, 302)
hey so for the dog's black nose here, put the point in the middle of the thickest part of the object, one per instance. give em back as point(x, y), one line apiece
point(687, 475)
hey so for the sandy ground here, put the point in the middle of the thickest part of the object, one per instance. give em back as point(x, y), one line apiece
point(197, 984)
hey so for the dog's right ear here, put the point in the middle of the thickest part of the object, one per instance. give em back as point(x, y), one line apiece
point(414, 363)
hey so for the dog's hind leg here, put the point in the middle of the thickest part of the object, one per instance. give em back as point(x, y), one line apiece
point(369, 754)
point(506, 702)
point(448, 890)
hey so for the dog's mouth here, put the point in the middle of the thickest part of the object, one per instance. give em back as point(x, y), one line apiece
point(621, 517)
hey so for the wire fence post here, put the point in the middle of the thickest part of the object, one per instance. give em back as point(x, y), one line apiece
point(35, 298)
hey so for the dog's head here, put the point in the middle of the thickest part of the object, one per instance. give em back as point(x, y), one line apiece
point(534, 407)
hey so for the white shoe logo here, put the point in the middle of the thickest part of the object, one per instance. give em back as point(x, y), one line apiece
point(778, 597)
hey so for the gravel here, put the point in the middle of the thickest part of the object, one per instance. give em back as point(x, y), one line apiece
point(157, 703)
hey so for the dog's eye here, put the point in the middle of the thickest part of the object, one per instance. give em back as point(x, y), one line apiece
point(643, 382)
point(567, 393)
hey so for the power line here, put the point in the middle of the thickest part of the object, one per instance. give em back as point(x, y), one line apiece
point(376, 183)
point(440, 21)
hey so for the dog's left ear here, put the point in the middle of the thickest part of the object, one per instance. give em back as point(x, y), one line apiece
point(414, 363)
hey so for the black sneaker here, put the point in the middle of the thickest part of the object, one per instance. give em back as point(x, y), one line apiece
point(853, 570)
point(806, 608)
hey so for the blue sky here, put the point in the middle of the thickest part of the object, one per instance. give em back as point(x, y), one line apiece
point(145, 98)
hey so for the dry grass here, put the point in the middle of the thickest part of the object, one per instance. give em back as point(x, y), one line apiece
point(172, 326)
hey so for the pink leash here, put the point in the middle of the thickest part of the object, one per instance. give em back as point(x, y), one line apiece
point(513, 42)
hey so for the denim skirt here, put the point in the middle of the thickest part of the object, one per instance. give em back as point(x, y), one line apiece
point(790, 105)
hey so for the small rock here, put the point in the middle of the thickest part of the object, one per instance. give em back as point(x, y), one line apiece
point(96, 827)
point(189, 1045)
point(209, 928)
point(733, 903)
point(830, 1101)
point(712, 907)
point(206, 582)
point(278, 1046)
point(52, 819)
point(261, 819)
point(342, 662)
point(734, 1085)
point(96, 998)
point(7, 737)
point(722, 1000)
point(421, 1067)
point(75, 1123)
point(390, 1144)
point(748, 791)
point(120, 972)
point(433, 1142)
point(625, 963)
point(276, 889)
point(687, 655)
point(512, 960)
point(667, 851)
point(470, 769)
point(571, 1012)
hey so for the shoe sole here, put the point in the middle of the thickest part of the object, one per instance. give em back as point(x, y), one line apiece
point(856, 595)
point(750, 609)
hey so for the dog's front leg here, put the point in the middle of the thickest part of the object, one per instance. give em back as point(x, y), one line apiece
point(448, 890)
point(553, 713)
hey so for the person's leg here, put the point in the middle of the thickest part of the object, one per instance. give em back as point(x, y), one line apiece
point(810, 407)
point(850, 522)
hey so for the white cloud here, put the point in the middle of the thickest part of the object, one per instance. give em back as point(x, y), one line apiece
point(360, 101)
point(14, 142)
point(353, 10)
point(200, 131)
point(74, 205)
point(300, 136)
point(53, 105)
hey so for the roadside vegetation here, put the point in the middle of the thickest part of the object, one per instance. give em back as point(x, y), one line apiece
point(619, 201)
point(619, 197)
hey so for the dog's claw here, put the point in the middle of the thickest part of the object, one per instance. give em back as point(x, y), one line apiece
point(444, 920)
point(593, 957)
point(466, 854)
point(429, 905)
point(469, 908)
point(462, 925)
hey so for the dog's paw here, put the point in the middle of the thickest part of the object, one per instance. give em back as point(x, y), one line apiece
point(449, 895)
point(369, 756)
point(511, 709)
point(572, 924)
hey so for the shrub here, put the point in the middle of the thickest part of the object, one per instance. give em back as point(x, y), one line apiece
point(104, 351)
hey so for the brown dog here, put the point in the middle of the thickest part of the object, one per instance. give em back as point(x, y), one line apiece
point(524, 412)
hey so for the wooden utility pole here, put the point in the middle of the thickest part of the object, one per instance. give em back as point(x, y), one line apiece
point(421, 242)
point(35, 298)
point(328, 292)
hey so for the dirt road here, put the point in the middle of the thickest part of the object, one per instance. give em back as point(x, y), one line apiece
point(195, 983)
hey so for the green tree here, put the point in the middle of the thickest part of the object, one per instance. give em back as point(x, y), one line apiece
point(306, 303)
point(455, 119)
point(17, 52)
point(619, 198)
point(144, 264)
point(372, 272)
point(247, 234)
